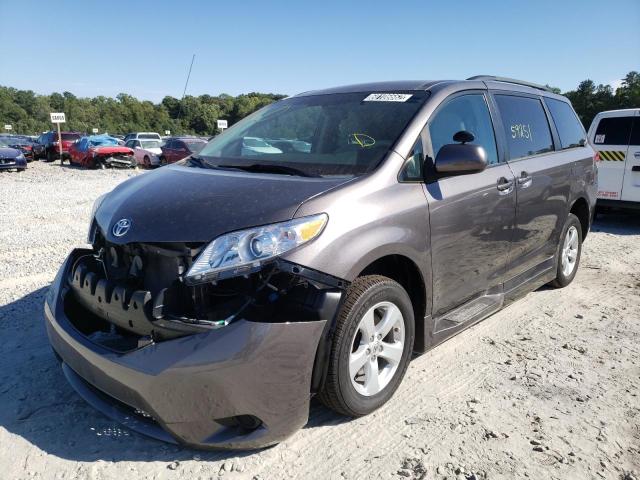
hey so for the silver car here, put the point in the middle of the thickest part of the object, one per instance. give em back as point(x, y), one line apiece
point(222, 292)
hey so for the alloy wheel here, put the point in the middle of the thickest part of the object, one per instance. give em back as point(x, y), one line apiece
point(376, 348)
point(570, 251)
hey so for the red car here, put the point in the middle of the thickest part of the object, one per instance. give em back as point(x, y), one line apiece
point(101, 151)
point(177, 148)
point(48, 144)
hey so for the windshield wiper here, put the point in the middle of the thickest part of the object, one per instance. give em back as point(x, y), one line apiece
point(270, 168)
point(199, 162)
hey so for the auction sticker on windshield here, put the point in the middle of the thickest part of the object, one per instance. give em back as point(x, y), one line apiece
point(388, 97)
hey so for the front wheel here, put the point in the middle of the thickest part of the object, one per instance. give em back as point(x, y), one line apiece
point(569, 250)
point(371, 347)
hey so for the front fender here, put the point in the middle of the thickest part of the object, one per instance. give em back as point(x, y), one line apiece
point(368, 219)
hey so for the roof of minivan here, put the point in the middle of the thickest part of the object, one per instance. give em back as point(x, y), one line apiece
point(417, 85)
point(392, 86)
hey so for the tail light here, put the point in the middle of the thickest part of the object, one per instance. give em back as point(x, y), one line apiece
point(596, 157)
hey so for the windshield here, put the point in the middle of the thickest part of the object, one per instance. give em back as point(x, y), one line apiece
point(4, 142)
point(149, 135)
point(70, 136)
point(150, 143)
point(333, 134)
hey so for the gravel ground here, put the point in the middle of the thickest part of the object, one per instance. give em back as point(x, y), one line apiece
point(547, 388)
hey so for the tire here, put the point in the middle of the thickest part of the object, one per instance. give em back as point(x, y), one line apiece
point(146, 162)
point(356, 397)
point(572, 230)
point(163, 161)
point(50, 156)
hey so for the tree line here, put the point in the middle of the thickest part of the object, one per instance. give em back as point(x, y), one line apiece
point(28, 112)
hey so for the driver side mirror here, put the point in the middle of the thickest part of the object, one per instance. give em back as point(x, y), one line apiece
point(461, 158)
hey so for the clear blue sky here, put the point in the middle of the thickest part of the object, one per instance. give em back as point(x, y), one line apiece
point(144, 47)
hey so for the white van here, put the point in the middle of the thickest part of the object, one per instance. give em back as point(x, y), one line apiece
point(616, 136)
point(142, 136)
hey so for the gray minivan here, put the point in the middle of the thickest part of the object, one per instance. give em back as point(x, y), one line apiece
point(222, 292)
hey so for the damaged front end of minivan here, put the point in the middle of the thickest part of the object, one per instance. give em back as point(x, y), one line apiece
point(169, 338)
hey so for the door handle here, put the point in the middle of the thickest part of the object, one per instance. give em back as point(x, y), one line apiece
point(504, 186)
point(637, 155)
point(524, 180)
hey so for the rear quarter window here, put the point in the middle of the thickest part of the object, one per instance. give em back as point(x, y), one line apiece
point(569, 127)
point(613, 131)
point(525, 126)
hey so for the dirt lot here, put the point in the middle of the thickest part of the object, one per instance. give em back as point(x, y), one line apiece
point(548, 388)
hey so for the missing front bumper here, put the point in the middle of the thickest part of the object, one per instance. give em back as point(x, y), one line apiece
point(192, 386)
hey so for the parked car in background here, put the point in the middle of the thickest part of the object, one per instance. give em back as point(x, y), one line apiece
point(141, 135)
point(420, 209)
point(21, 142)
point(147, 152)
point(257, 146)
point(11, 158)
point(39, 147)
point(177, 148)
point(101, 151)
point(615, 134)
point(49, 148)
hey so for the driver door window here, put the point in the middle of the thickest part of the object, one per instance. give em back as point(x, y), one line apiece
point(469, 113)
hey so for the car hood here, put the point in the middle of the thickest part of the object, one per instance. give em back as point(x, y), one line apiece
point(8, 152)
point(184, 204)
point(111, 149)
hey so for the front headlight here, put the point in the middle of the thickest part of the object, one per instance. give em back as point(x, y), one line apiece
point(94, 209)
point(244, 251)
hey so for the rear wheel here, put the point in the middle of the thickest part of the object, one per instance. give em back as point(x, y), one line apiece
point(147, 162)
point(569, 250)
point(371, 348)
point(163, 161)
point(50, 156)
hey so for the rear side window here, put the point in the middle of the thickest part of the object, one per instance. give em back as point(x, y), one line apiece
point(613, 131)
point(525, 126)
point(635, 133)
point(569, 127)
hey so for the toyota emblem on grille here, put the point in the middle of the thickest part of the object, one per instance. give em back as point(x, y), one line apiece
point(121, 227)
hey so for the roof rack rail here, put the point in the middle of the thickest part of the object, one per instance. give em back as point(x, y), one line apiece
point(510, 80)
